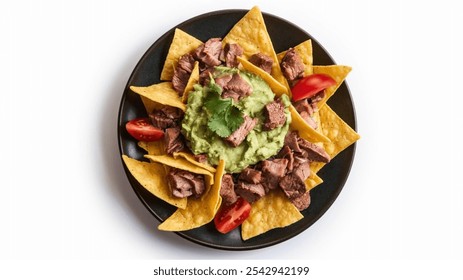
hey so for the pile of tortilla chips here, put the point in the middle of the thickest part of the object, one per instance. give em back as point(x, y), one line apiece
point(273, 210)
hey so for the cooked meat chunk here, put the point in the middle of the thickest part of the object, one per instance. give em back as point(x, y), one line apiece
point(288, 154)
point(250, 175)
point(202, 158)
point(302, 202)
point(274, 115)
point(302, 169)
point(229, 54)
point(166, 117)
point(292, 66)
point(237, 137)
point(239, 85)
point(227, 190)
point(174, 140)
point(262, 61)
point(184, 183)
point(250, 192)
point(314, 152)
point(223, 80)
point(291, 141)
point(273, 171)
point(292, 186)
point(182, 72)
point(209, 52)
point(306, 111)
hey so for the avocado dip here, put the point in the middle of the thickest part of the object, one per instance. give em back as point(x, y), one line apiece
point(259, 144)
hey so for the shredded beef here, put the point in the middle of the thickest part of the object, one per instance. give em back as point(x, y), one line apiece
point(302, 202)
point(262, 61)
point(239, 85)
point(184, 183)
point(291, 141)
point(227, 190)
point(314, 152)
point(209, 52)
point(182, 73)
point(166, 117)
point(229, 54)
point(250, 175)
point(288, 154)
point(274, 115)
point(237, 137)
point(292, 186)
point(292, 65)
point(174, 140)
point(250, 192)
point(223, 80)
point(273, 171)
point(202, 158)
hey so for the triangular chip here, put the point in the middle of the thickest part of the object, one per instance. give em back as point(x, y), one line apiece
point(194, 79)
point(182, 43)
point(304, 50)
point(305, 130)
point(276, 86)
point(152, 177)
point(149, 104)
point(251, 34)
point(198, 211)
point(162, 93)
point(153, 148)
point(337, 72)
point(313, 181)
point(191, 158)
point(338, 131)
point(274, 210)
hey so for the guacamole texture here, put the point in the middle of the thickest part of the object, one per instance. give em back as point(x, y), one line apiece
point(258, 145)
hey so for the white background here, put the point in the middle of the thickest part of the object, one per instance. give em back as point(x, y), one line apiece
point(64, 195)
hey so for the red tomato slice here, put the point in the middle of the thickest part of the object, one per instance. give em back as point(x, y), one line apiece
point(311, 85)
point(142, 130)
point(231, 216)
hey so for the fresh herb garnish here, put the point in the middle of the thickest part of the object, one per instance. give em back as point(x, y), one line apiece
point(224, 117)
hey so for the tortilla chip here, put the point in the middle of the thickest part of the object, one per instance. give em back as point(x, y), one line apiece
point(182, 43)
point(304, 50)
point(251, 34)
point(337, 72)
point(313, 181)
point(191, 158)
point(153, 148)
point(162, 93)
point(276, 86)
point(274, 210)
point(194, 79)
point(152, 177)
point(183, 164)
point(338, 131)
point(305, 130)
point(198, 212)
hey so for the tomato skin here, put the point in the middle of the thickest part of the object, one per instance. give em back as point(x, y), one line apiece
point(142, 130)
point(231, 216)
point(311, 85)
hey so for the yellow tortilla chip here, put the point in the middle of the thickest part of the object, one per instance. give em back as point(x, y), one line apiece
point(162, 93)
point(274, 210)
point(305, 130)
point(194, 79)
point(198, 212)
point(182, 43)
point(153, 148)
point(181, 163)
point(191, 158)
point(304, 50)
point(152, 177)
point(251, 34)
point(337, 72)
point(338, 131)
point(276, 86)
point(313, 181)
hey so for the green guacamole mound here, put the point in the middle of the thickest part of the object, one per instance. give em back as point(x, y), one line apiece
point(258, 145)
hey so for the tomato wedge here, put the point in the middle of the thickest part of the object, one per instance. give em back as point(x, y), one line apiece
point(231, 216)
point(142, 130)
point(311, 85)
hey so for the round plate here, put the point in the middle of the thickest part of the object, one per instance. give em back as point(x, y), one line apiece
point(284, 35)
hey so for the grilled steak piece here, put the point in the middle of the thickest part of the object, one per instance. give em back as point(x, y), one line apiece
point(174, 140)
point(288, 154)
point(274, 115)
point(223, 80)
point(301, 202)
point(314, 152)
point(209, 52)
point(273, 171)
point(229, 54)
point(182, 72)
point(292, 66)
point(166, 117)
point(291, 141)
point(262, 61)
point(305, 109)
point(227, 190)
point(302, 169)
point(184, 183)
point(292, 186)
point(237, 137)
point(239, 85)
point(250, 175)
point(250, 192)
point(202, 158)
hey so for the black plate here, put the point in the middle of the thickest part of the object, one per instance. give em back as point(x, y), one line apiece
point(284, 35)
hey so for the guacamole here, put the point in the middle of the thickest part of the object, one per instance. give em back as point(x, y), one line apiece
point(258, 145)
